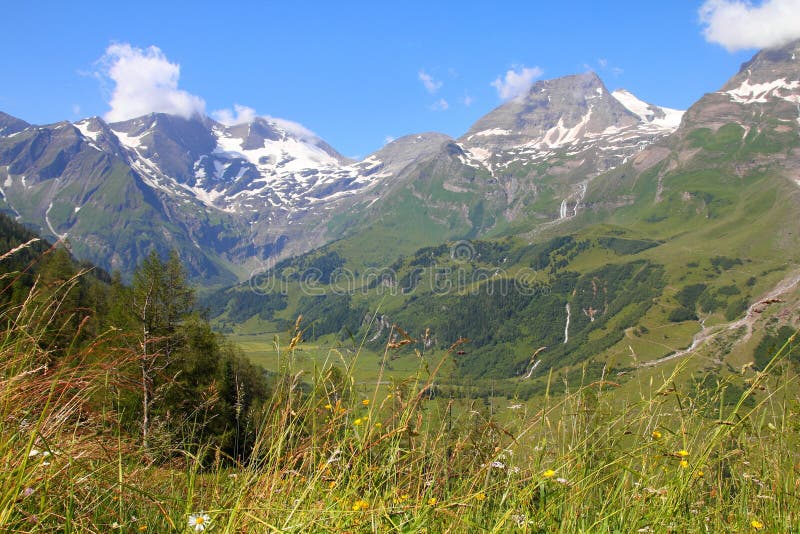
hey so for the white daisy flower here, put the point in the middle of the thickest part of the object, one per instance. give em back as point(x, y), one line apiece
point(199, 522)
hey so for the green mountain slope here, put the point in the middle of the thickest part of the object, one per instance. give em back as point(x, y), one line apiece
point(692, 242)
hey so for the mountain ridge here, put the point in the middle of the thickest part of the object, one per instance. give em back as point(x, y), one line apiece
point(241, 194)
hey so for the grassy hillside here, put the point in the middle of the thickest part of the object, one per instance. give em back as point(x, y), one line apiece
point(658, 259)
point(334, 455)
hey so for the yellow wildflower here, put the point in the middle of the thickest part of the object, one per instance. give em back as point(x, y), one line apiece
point(480, 497)
point(378, 425)
point(365, 402)
point(358, 421)
point(432, 501)
point(756, 524)
point(549, 473)
point(683, 453)
point(684, 464)
point(656, 434)
point(360, 505)
point(328, 406)
point(699, 473)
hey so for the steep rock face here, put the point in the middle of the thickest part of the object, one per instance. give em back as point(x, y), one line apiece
point(171, 143)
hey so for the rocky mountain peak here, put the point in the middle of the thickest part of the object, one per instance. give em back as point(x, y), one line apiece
point(573, 116)
point(11, 125)
point(769, 65)
point(262, 132)
point(566, 111)
point(766, 86)
point(169, 142)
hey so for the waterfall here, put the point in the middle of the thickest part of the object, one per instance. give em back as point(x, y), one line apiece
point(566, 328)
point(562, 214)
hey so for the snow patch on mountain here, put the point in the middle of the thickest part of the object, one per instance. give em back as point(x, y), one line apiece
point(667, 119)
point(286, 155)
point(491, 132)
point(560, 135)
point(130, 141)
point(83, 127)
point(753, 93)
point(206, 197)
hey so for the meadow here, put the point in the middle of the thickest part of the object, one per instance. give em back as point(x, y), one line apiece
point(331, 453)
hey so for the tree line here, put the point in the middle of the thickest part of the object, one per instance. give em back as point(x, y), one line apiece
point(177, 381)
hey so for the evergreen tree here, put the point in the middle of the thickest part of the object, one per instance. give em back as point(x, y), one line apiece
point(160, 299)
point(60, 299)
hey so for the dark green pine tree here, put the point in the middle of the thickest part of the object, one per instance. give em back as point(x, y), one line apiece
point(199, 388)
point(160, 299)
point(59, 300)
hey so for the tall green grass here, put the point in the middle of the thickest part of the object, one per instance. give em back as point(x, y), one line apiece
point(330, 456)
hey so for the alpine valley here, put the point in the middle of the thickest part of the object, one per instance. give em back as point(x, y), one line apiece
point(610, 231)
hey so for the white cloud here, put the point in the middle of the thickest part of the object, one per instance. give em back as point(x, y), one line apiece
point(388, 139)
point(603, 62)
point(239, 115)
point(294, 128)
point(516, 82)
point(440, 105)
point(145, 81)
point(468, 100)
point(245, 114)
point(431, 85)
point(738, 25)
point(76, 109)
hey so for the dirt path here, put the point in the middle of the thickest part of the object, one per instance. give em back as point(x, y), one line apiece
point(748, 320)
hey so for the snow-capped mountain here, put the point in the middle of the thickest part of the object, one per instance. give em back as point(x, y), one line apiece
point(568, 116)
point(230, 195)
point(245, 168)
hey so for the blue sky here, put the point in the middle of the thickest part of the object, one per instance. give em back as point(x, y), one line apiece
point(357, 73)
